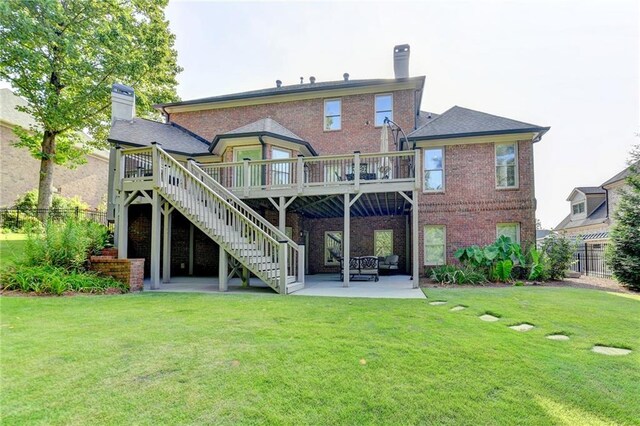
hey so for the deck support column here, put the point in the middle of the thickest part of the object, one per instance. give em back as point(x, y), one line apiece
point(166, 243)
point(246, 276)
point(123, 226)
point(191, 246)
point(346, 243)
point(156, 217)
point(282, 215)
point(223, 270)
point(415, 238)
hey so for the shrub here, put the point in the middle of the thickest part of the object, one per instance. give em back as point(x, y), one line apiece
point(496, 260)
point(55, 280)
point(65, 245)
point(623, 253)
point(558, 252)
point(449, 274)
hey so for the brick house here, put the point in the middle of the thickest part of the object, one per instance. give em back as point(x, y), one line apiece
point(19, 170)
point(296, 177)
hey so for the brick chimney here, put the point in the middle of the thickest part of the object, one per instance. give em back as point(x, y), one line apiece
point(123, 102)
point(401, 60)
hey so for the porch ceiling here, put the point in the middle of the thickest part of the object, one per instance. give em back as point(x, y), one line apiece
point(323, 206)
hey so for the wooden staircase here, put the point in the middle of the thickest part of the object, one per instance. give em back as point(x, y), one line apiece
point(245, 235)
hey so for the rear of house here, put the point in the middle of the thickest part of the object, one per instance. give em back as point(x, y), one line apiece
point(333, 170)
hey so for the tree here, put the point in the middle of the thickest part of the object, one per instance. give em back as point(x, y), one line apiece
point(624, 251)
point(63, 55)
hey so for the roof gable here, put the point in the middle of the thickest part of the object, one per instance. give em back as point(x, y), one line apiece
point(462, 122)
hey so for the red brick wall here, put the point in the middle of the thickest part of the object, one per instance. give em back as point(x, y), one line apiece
point(362, 244)
point(306, 119)
point(471, 206)
point(127, 271)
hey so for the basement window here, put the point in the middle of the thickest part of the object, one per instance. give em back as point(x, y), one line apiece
point(332, 114)
point(435, 237)
point(511, 230)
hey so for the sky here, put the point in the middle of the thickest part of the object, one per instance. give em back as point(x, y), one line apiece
point(571, 65)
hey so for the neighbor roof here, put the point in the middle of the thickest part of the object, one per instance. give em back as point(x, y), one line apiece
point(588, 190)
point(8, 112)
point(599, 215)
point(263, 127)
point(174, 138)
point(622, 175)
point(462, 122)
point(295, 88)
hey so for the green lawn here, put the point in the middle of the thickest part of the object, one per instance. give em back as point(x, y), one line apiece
point(11, 248)
point(205, 358)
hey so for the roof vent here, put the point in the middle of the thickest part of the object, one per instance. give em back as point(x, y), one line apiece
point(345, 76)
point(312, 79)
point(301, 80)
point(401, 61)
point(278, 83)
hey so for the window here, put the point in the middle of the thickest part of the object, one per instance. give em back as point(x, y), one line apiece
point(280, 172)
point(383, 242)
point(332, 114)
point(435, 245)
point(578, 208)
point(434, 169)
point(384, 108)
point(506, 165)
point(511, 230)
point(332, 247)
point(255, 173)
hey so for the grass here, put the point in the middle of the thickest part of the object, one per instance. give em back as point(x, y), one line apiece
point(11, 248)
point(230, 359)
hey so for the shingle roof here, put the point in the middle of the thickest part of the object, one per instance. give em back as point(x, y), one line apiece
point(425, 117)
point(265, 125)
point(599, 215)
point(171, 137)
point(587, 190)
point(622, 175)
point(461, 122)
point(295, 88)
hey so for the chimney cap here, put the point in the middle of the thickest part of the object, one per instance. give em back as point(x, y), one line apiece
point(301, 80)
point(312, 79)
point(401, 48)
point(278, 83)
point(345, 76)
point(122, 89)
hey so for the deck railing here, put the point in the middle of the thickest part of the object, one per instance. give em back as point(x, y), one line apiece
point(307, 172)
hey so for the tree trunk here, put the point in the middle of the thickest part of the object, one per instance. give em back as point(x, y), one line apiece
point(45, 186)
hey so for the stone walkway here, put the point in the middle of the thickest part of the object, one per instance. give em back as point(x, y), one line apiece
point(525, 326)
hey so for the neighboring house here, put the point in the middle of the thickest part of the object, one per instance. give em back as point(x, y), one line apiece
point(19, 171)
point(591, 210)
point(312, 165)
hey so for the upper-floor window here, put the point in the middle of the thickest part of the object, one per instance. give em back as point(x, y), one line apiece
point(384, 108)
point(332, 114)
point(507, 165)
point(578, 208)
point(434, 169)
point(511, 230)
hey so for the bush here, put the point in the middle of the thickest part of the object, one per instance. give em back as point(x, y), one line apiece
point(449, 274)
point(27, 204)
point(623, 253)
point(558, 252)
point(65, 245)
point(55, 280)
point(497, 261)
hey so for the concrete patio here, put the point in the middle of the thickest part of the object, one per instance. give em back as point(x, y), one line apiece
point(329, 285)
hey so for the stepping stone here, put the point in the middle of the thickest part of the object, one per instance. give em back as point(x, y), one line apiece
point(558, 337)
point(521, 327)
point(609, 350)
point(457, 308)
point(489, 318)
point(437, 303)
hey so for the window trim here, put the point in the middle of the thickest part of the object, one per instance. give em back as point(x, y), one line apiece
point(424, 181)
point(444, 245)
point(286, 172)
point(516, 165)
point(517, 224)
point(375, 108)
point(584, 209)
point(324, 115)
point(375, 232)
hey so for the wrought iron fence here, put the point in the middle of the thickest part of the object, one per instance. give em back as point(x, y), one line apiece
point(15, 219)
point(589, 259)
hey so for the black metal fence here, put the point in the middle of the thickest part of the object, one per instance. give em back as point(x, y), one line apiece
point(589, 259)
point(16, 219)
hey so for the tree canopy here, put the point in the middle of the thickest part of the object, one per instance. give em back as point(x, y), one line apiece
point(63, 55)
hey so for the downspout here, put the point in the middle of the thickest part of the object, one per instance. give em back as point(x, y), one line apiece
point(263, 172)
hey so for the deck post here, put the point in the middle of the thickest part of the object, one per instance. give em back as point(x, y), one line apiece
point(247, 176)
point(356, 170)
point(300, 173)
point(415, 239)
point(156, 217)
point(282, 215)
point(223, 270)
point(282, 266)
point(123, 226)
point(346, 246)
point(166, 244)
point(301, 263)
point(191, 246)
